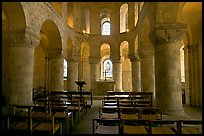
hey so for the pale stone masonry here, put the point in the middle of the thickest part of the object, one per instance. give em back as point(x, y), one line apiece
point(38, 36)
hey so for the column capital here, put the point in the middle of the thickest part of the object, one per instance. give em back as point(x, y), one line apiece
point(54, 53)
point(20, 38)
point(169, 33)
point(93, 60)
point(134, 58)
point(145, 53)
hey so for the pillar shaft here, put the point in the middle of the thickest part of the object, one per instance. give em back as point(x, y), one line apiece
point(72, 75)
point(117, 75)
point(147, 70)
point(136, 75)
point(56, 71)
point(94, 72)
point(21, 75)
point(168, 69)
point(21, 61)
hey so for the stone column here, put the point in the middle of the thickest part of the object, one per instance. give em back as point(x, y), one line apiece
point(136, 74)
point(56, 70)
point(147, 70)
point(94, 66)
point(167, 68)
point(21, 61)
point(117, 75)
point(72, 75)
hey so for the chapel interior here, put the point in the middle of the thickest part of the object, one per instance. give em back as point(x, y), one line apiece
point(80, 58)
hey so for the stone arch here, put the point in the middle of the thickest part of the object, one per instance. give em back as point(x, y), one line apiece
point(15, 15)
point(51, 30)
point(57, 6)
point(49, 54)
point(193, 53)
point(167, 12)
point(189, 10)
point(69, 48)
point(124, 18)
point(104, 54)
point(13, 19)
point(144, 39)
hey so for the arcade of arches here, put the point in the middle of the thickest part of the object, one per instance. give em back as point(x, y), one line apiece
point(150, 46)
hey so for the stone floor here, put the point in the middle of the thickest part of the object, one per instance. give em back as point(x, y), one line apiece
point(85, 126)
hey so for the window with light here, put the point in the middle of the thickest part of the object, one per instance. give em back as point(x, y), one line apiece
point(107, 68)
point(106, 28)
point(65, 68)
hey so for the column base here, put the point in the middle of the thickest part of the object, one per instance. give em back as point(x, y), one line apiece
point(119, 90)
point(175, 112)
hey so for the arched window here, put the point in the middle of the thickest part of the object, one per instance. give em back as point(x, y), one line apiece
point(124, 18)
point(65, 68)
point(106, 28)
point(182, 64)
point(108, 68)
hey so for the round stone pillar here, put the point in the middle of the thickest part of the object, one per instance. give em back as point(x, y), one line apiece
point(94, 66)
point(21, 61)
point(167, 68)
point(72, 75)
point(117, 75)
point(56, 70)
point(147, 70)
point(136, 74)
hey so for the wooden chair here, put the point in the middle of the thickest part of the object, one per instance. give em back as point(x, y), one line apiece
point(108, 113)
point(134, 126)
point(163, 126)
point(46, 125)
point(190, 127)
point(106, 126)
point(150, 113)
point(63, 116)
point(16, 124)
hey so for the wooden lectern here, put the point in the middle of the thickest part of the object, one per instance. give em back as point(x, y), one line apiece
point(80, 86)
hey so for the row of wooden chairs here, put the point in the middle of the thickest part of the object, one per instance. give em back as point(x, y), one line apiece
point(139, 126)
point(61, 113)
point(74, 105)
